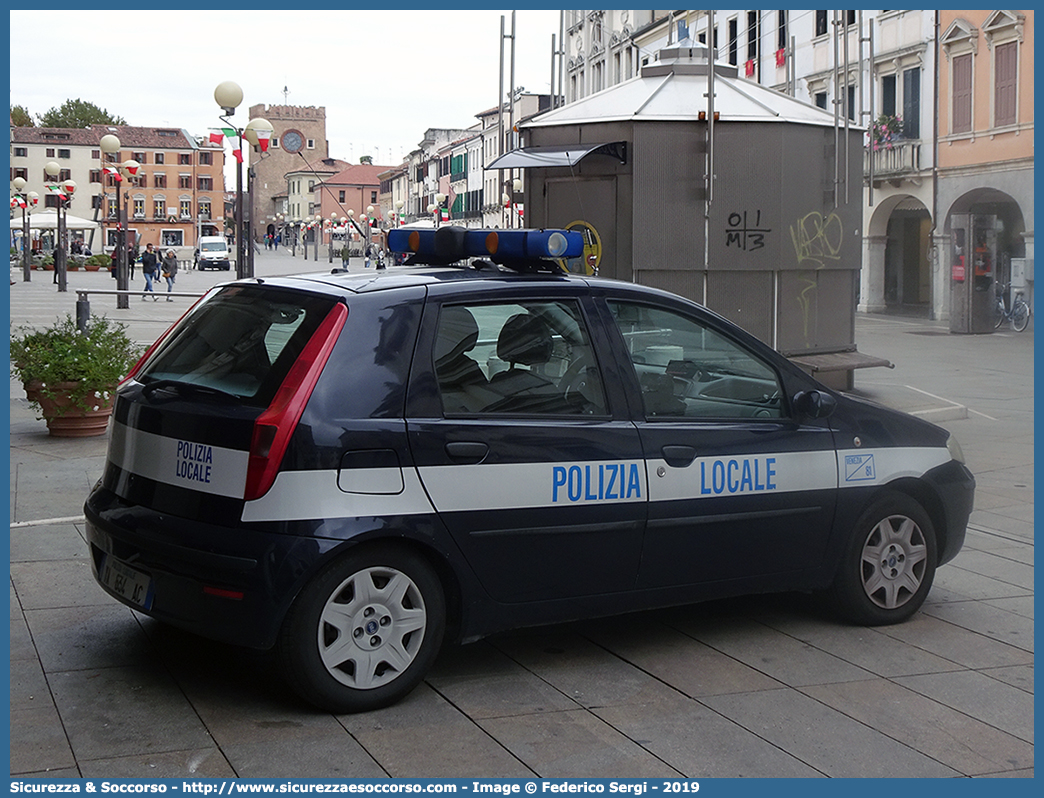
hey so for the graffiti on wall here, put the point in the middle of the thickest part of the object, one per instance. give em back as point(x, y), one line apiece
point(817, 238)
point(744, 233)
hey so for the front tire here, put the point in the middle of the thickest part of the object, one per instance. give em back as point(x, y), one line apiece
point(1020, 316)
point(889, 563)
point(365, 631)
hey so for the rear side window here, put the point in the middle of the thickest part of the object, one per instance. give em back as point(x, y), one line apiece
point(531, 357)
point(241, 342)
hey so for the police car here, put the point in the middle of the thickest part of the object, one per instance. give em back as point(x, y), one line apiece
point(351, 468)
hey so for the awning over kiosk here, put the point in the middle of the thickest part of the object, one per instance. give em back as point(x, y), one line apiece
point(557, 155)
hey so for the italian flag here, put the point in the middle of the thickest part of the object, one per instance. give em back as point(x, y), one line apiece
point(57, 190)
point(228, 133)
point(263, 137)
point(443, 214)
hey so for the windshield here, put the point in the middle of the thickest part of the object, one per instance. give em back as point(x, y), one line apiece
point(242, 342)
point(214, 246)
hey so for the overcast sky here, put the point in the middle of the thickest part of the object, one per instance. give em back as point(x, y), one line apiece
point(383, 76)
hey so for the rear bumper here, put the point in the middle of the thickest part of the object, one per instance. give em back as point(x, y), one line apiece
point(229, 584)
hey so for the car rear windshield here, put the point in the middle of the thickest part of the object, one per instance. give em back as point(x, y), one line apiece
point(241, 342)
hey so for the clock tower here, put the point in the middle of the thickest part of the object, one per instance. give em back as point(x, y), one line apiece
point(298, 139)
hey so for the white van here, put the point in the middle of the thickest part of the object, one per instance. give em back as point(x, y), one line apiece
point(213, 253)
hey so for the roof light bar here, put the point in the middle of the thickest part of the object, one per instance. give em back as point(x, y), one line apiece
point(450, 244)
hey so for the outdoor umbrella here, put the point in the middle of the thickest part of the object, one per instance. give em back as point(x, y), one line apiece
point(47, 220)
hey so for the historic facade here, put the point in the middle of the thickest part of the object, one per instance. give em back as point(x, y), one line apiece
point(298, 142)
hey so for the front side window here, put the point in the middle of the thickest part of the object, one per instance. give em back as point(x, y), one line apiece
point(688, 370)
point(523, 358)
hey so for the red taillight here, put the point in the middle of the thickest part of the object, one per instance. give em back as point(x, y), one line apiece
point(273, 427)
point(221, 592)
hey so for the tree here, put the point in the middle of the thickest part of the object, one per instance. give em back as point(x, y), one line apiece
point(367, 159)
point(20, 116)
point(79, 114)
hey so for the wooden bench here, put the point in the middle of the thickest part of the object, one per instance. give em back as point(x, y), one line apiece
point(829, 366)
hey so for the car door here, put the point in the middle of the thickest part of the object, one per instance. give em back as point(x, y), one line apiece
point(738, 486)
point(533, 465)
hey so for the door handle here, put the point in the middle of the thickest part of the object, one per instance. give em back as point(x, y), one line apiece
point(467, 451)
point(679, 456)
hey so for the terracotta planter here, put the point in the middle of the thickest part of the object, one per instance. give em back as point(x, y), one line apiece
point(32, 389)
point(91, 267)
point(65, 420)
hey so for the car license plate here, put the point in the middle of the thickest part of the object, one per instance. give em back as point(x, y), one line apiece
point(121, 579)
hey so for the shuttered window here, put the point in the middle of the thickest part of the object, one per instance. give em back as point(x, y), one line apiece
point(962, 93)
point(912, 103)
point(1005, 72)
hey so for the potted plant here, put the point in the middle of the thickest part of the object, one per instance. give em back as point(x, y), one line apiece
point(885, 131)
point(71, 377)
point(97, 262)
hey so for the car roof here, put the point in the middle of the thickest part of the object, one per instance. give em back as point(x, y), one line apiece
point(397, 277)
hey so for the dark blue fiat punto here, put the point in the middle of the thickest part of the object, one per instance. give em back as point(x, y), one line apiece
point(352, 468)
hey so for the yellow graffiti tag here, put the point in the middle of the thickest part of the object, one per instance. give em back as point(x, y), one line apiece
point(817, 238)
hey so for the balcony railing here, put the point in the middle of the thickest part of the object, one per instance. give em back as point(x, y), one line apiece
point(902, 160)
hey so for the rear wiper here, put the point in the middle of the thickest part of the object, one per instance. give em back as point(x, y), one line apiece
point(187, 387)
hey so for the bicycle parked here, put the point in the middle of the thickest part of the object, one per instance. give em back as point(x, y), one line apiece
point(1018, 315)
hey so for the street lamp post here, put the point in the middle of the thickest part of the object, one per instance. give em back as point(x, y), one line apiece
point(64, 191)
point(27, 202)
point(110, 145)
point(332, 224)
point(228, 96)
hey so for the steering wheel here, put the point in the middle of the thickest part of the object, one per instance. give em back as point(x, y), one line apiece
point(575, 382)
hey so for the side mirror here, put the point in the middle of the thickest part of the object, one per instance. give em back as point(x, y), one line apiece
point(814, 404)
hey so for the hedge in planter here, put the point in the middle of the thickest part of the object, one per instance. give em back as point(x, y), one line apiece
point(71, 377)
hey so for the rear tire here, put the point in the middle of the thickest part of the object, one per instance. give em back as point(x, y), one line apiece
point(364, 632)
point(1020, 316)
point(889, 563)
point(998, 314)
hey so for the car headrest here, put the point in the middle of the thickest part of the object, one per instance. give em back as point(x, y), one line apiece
point(525, 339)
point(458, 333)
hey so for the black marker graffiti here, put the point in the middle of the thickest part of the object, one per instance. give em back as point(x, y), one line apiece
point(744, 237)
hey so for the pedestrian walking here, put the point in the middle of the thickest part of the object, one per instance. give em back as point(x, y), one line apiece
point(170, 270)
point(148, 270)
point(132, 258)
